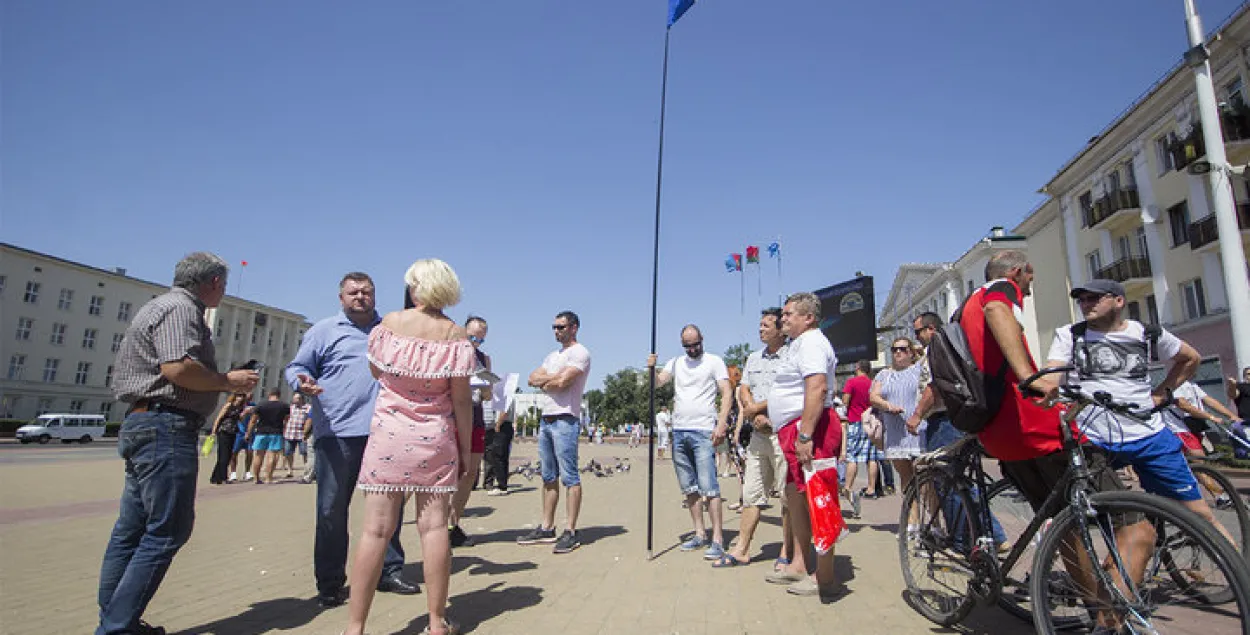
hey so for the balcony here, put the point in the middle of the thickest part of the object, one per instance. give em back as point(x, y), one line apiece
point(1131, 271)
point(1115, 208)
point(1235, 128)
point(1203, 234)
point(1188, 149)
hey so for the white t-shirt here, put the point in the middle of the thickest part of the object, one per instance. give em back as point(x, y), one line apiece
point(1116, 363)
point(809, 354)
point(695, 390)
point(1174, 417)
point(661, 423)
point(569, 400)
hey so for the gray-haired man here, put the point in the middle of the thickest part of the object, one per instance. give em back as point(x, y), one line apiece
point(166, 370)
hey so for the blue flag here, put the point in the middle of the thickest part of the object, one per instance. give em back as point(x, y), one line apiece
point(678, 8)
point(774, 250)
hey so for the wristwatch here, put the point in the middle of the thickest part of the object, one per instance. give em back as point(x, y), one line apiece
point(803, 438)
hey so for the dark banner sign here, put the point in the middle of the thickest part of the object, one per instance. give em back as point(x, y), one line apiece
point(849, 319)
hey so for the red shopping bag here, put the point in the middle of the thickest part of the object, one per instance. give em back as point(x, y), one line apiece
point(823, 505)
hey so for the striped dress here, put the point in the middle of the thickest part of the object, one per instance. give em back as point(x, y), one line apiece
point(901, 388)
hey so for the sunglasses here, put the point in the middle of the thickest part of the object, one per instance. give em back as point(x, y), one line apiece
point(476, 340)
point(693, 345)
point(559, 327)
point(900, 349)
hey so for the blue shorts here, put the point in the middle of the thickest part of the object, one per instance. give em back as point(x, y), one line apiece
point(240, 443)
point(267, 443)
point(1159, 461)
point(694, 458)
point(557, 449)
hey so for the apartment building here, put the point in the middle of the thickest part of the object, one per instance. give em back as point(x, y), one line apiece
point(62, 322)
point(1128, 207)
point(942, 288)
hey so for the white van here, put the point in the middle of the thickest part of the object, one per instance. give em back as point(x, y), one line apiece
point(66, 427)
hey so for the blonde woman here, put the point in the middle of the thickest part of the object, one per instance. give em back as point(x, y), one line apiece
point(419, 440)
point(895, 391)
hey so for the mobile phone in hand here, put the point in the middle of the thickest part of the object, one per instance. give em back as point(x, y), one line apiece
point(253, 364)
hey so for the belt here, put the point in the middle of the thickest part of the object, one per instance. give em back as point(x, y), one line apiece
point(937, 417)
point(148, 405)
point(550, 418)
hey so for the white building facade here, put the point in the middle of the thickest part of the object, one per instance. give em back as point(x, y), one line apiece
point(62, 322)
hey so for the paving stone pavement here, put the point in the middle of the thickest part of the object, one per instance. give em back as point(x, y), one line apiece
point(248, 567)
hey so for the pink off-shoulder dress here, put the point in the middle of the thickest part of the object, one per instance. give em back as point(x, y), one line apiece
point(412, 441)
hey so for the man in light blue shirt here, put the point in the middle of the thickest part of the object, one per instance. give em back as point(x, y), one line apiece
point(332, 370)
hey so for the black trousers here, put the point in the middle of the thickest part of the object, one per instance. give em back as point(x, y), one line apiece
point(498, 453)
point(225, 448)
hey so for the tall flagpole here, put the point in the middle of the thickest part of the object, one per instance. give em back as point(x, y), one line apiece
point(655, 284)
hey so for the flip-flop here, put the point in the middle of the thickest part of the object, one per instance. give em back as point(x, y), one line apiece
point(727, 562)
point(780, 564)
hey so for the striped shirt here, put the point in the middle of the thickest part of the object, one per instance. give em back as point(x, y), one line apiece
point(168, 328)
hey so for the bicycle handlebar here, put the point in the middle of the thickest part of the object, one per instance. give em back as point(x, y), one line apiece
point(1099, 398)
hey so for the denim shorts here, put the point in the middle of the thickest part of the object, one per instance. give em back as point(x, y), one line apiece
point(694, 458)
point(557, 449)
point(267, 443)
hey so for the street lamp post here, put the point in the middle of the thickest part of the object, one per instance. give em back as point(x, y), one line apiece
point(1233, 257)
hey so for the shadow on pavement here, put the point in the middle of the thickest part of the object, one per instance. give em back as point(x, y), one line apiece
point(471, 609)
point(982, 621)
point(477, 512)
point(283, 614)
point(591, 535)
point(481, 566)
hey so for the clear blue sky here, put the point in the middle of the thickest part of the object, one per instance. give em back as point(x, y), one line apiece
point(517, 141)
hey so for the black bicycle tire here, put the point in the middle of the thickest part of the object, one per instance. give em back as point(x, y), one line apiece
point(1239, 504)
point(1226, 557)
point(964, 606)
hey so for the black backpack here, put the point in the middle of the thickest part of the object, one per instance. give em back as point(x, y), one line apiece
point(972, 398)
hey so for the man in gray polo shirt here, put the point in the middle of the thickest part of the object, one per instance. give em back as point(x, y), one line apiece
point(765, 465)
point(166, 370)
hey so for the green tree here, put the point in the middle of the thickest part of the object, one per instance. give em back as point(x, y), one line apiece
point(736, 355)
point(625, 398)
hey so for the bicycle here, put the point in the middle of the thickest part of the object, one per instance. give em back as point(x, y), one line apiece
point(1076, 526)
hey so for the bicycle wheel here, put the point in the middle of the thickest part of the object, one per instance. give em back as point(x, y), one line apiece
point(1229, 507)
point(1123, 529)
point(1011, 514)
point(936, 529)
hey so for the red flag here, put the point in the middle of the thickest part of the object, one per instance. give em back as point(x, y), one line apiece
point(244, 263)
point(753, 254)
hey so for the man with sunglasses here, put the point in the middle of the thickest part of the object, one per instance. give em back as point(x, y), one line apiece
point(475, 327)
point(562, 378)
point(698, 378)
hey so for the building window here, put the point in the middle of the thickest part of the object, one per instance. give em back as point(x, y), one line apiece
point(1134, 311)
point(254, 335)
point(24, 326)
point(1087, 207)
point(1113, 181)
point(108, 377)
point(1178, 217)
point(17, 367)
point(44, 407)
point(88, 338)
point(1192, 298)
point(1152, 309)
point(1233, 92)
point(971, 289)
point(8, 406)
point(237, 328)
point(32, 293)
point(3, 279)
point(1163, 152)
point(58, 333)
point(66, 301)
point(97, 305)
point(76, 406)
point(106, 409)
point(1124, 245)
point(221, 324)
point(84, 370)
point(117, 341)
point(49, 369)
point(1093, 260)
point(1142, 245)
point(123, 312)
point(271, 337)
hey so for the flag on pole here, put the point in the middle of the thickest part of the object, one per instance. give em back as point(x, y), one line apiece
point(676, 9)
point(753, 254)
point(244, 263)
point(774, 250)
point(733, 263)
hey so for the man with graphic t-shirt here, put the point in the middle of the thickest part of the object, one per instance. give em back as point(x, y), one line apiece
point(1112, 356)
point(698, 378)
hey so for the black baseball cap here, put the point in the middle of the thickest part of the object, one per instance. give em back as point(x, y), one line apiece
point(1101, 287)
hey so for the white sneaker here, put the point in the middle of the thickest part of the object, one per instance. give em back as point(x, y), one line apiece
point(248, 477)
point(497, 492)
point(234, 476)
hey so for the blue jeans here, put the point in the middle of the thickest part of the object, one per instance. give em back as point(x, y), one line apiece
point(694, 458)
point(940, 433)
point(156, 515)
point(338, 465)
point(557, 449)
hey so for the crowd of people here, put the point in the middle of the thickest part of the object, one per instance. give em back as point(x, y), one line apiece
point(399, 407)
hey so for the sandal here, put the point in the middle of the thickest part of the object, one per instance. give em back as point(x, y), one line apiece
point(728, 562)
point(780, 564)
point(452, 628)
